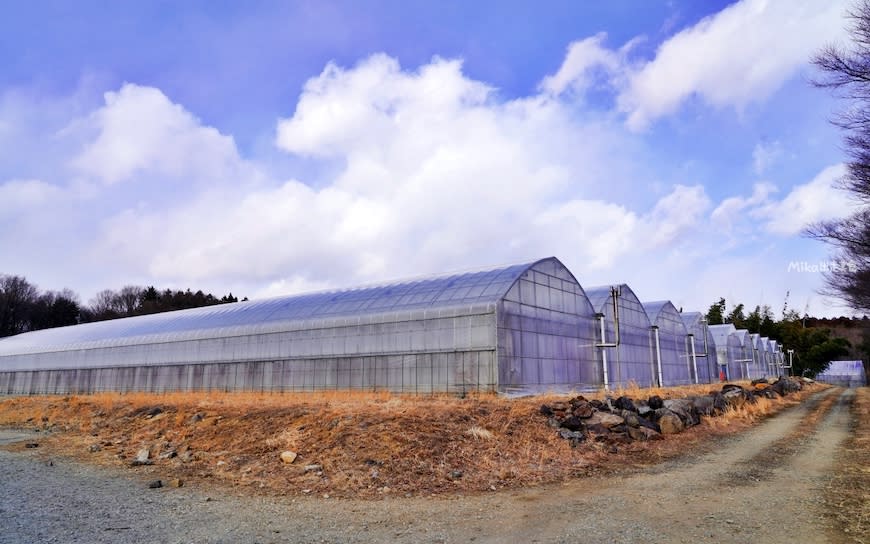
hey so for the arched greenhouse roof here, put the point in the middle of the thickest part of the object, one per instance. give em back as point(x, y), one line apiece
point(599, 297)
point(721, 332)
point(664, 314)
point(453, 292)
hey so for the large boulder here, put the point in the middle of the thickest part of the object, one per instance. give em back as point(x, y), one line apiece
point(582, 410)
point(655, 402)
point(735, 395)
point(624, 403)
point(670, 423)
point(685, 409)
point(643, 433)
point(606, 419)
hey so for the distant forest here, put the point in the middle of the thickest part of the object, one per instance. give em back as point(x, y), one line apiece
point(24, 308)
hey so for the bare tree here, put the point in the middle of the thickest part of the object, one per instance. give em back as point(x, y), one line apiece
point(128, 299)
point(17, 297)
point(845, 70)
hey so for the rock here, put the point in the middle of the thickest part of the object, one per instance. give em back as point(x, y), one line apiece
point(642, 408)
point(670, 423)
point(734, 395)
point(560, 406)
point(143, 454)
point(197, 417)
point(606, 419)
point(719, 404)
point(576, 437)
point(313, 468)
point(554, 423)
point(456, 474)
point(176, 482)
point(625, 403)
point(655, 402)
point(598, 405)
point(704, 404)
point(597, 429)
point(155, 484)
point(685, 409)
point(288, 456)
point(631, 418)
point(545, 410)
point(31, 445)
point(807, 380)
point(583, 410)
point(643, 433)
point(94, 448)
point(169, 454)
point(573, 423)
point(153, 411)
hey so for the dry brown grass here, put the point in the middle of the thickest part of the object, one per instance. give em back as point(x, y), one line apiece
point(369, 444)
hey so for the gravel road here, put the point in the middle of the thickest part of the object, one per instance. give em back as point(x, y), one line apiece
point(764, 485)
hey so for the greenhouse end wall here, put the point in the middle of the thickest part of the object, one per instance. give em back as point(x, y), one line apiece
point(546, 334)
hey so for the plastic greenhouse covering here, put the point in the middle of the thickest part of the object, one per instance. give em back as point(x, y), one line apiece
point(524, 326)
point(844, 374)
point(745, 358)
point(704, 345)
point(630, 357)
point(672, 349)
point(516, 329)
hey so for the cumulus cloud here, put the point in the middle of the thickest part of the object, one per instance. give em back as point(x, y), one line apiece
point(432, 172)
point(734, 209)
point(140, 129)
point(739, 56)
point(736, 57)
point(817, 200)
point(582, 59)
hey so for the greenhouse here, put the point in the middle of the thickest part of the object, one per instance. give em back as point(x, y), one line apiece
point(844, 374)
point(745, 358)
point(759, 368)
point(525, 327)
point(702, 347)
point(670, 339)
point(626, 336)
point(776, 361)
point(768, 356)
point(728, 349)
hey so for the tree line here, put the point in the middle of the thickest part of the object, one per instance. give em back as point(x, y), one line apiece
point(814, 347)
point(24, 307)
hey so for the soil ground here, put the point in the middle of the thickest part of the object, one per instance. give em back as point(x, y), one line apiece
point(800, 476)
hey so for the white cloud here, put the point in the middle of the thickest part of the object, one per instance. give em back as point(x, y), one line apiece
point(734, 209)
point(739, 56)
point(581, 59)
point(736, 57)
point(817, 200)
point(139, 129)
point(433, 173)
point(765, 155)
point(25, 196)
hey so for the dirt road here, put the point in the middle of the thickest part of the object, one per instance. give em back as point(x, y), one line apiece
point(765, 485)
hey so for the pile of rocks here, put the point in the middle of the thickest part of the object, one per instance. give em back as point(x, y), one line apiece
point(624, 420)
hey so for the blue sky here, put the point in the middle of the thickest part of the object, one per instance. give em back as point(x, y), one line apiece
point(273, 147)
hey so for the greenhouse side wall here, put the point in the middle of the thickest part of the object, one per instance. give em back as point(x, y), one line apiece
point(546, 334)
point(441, 350)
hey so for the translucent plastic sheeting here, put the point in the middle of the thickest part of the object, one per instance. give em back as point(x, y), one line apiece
point(528, 325)
point(673, 340)
point(844, 374)
point(758, 368)
point(325, 309)
point(728, 349)
point(546, 333)
point(632, 360)
point(704, 344)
